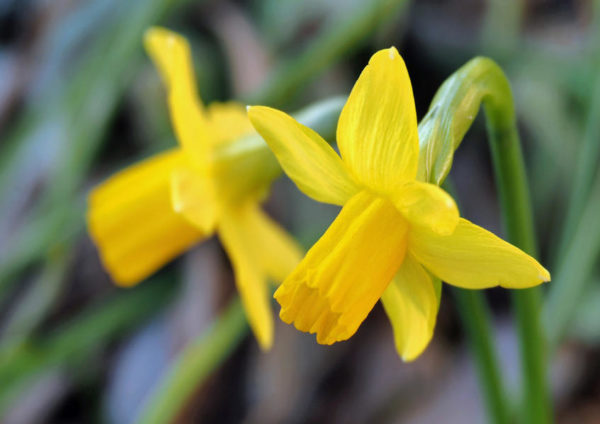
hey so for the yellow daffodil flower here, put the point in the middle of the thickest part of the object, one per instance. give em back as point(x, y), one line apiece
point(151, 212)
point(393, 231)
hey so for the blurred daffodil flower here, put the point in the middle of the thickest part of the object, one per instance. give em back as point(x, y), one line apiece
point(151, 212)
point(393, 232)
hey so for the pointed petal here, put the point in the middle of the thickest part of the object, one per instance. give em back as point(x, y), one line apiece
point(249, 279)
point(474, 258)
point(304, 156)
point(411, 304)
point(229, 121)
point(427, 205)
point(377, 131)
point(131, 220)
point(170, 53)
point(344, 274)
point(275, 250)
point(193, 196)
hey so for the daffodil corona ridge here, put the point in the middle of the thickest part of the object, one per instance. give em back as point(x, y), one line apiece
point(393, 233)
point(151, 212)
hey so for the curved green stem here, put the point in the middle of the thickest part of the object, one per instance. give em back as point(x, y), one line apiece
point(451, 113)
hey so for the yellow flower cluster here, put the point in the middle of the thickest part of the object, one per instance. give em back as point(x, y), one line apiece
point(393, 234)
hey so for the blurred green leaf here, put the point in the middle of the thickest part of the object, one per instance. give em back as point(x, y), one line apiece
point(74, 341)
point(68, 129)
point(194, 364)
point(39, 297)
point(574, 269)
point(586, 322)
point(343, 36)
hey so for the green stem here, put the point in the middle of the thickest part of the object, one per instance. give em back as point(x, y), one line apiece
point(198, 360)
point(441, 131)
point(511, 181)
point(476, 320)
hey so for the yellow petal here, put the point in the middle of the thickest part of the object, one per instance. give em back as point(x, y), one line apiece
point(276, 252)
point(377, 131)
point(411, 304)
point(305, 157)
point(427, 205)
point(193, 196)
point(131, 220)
point(474, 258)
point(344, 274)
point(171, 55)
point(229, 121)
point(250, 281)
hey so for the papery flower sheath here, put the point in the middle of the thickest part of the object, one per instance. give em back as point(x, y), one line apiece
point(393, 232)
point(151, 212)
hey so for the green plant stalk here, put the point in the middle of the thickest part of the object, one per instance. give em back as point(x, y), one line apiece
point(195, 364)
point(451, 113)
point(579, 245)
point(511, 181)
point(476, 320)
point(441, 131)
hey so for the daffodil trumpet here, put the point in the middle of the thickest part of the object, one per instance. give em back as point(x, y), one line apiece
point(394, 232)
point(212, 183)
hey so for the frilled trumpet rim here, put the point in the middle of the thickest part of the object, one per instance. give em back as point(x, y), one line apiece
point(345, 273)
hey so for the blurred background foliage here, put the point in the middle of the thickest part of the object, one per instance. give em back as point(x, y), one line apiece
point(79, 100)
